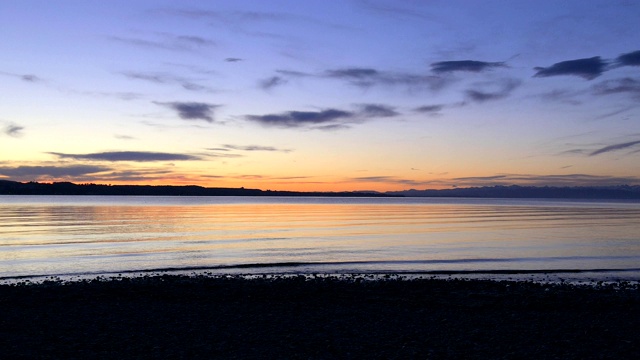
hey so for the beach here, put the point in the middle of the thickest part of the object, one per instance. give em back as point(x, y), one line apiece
point(317, 317)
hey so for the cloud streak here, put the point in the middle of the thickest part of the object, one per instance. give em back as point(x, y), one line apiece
point(137, 156)
point(296, 119)
point(616, 86)
point(327, 119)
point(368, 77)
point(253, 148)
point(168, 42)
point(51, 171)
point(191, 110)
point(492, 91)
point(13, 130)
point(377, 110)
point(166, 78)
point(24, 77)
point(629, 59)
point(464, 65)
point(588, 68)
point(429, 109)
point(272, 82)
point(614, 147)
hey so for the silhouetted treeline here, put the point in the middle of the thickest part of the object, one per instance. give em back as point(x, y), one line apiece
point(540, 192)
point(67, 188)
point(513, 191)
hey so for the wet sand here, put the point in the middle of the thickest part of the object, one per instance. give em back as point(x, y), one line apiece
point(317, 318)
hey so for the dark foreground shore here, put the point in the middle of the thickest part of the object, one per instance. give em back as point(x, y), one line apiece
point(296, 318)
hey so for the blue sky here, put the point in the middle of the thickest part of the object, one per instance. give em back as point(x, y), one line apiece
point(321, 95)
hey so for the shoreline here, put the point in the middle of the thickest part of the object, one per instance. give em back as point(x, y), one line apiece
point(569, 276)
point(318, 317)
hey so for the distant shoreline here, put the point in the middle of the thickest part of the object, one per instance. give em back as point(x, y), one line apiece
point(618, 192)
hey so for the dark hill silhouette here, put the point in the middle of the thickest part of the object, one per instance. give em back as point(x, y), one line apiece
point(68, 188)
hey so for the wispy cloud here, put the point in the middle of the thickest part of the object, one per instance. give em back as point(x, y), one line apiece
point(253, 148)
point(296, 119)
point(327, 119)
point(614, 147)
point(393, 9)
point(365, 77)
point(388, 180)
point(270, 83)
point(167, 78)
point(13, 130)
point(24, 77)
point(464, 65)
point(429, 109)
point(191, 110)
point(492, 90)
point(368, 77)
point(588, 68)
point(377, 110)
point(616, 86)
point(166, 41)
point(138, 156)
point(124, 137)
point(629, 59)
point(62, 171)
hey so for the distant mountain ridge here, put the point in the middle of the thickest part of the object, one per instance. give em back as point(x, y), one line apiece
point(516, 191)
point(8, 187)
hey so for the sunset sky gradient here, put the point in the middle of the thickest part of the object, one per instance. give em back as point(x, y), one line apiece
point(321, 95)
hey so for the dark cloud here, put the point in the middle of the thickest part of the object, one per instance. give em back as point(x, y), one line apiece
point(227, 147)
point(166, 78)
point(464, 65)
point(192, 110)
point(629, 59)
point(329, 119)
point(296, 119)
point(615, 86)
point(232, 59)
point(140, 156)
point(492, 91)
point(588, 68)
point(377, 110)
point(614, 147)
point(268, 84)
point(13, 130)
point(429, 109)
point(30, 172)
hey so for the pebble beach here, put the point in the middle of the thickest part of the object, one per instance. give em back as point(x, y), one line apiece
point(317, 317)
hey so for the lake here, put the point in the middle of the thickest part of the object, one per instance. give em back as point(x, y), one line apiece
point(109, 235)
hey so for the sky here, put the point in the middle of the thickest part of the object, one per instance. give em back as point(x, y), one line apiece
point(321, 95)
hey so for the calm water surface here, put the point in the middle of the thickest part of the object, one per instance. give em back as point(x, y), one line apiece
point(67, 235)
